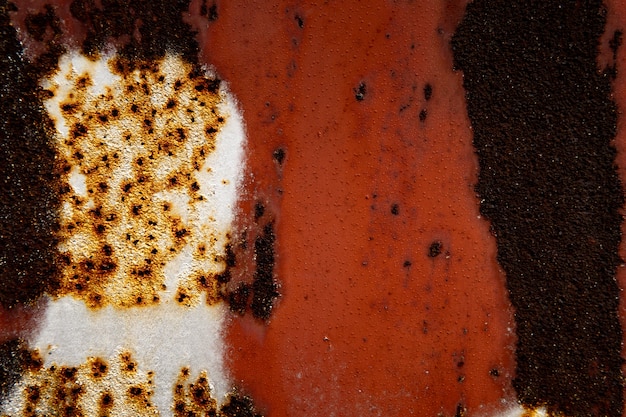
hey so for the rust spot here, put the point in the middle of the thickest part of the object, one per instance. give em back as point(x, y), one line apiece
point(105, 404)
point(193, 398)
point(97, 387)
point(279, 156)
point(428, 92)
point(212, 288)
point(238, 299)
point(99, 367)
point(139, 397)
point(112, 386)
point(127, 364)
point(264, 286)
point(238, 405)
point(210, 12)
point(360, 91)
point(435, 249)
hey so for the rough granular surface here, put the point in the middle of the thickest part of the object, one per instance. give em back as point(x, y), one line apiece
point(145, 28)
point(543, 127)
point(28, 196)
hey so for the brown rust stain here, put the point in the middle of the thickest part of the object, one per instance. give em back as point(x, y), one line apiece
point(132, 155)
point(28, 194)
point(113, 386)
point(105, 403)
point(193, 398)
point(98, 386)
point(238, 405)
point(250, 282)
point(139, 395)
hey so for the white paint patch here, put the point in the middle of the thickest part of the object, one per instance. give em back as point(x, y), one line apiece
point(162, 339)
point(519, 411)
point(163, 336)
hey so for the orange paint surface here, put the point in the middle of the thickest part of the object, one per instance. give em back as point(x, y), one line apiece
point(616, 20)
point(368, 323)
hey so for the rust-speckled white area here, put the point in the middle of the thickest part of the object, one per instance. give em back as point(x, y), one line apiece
point(151, 155)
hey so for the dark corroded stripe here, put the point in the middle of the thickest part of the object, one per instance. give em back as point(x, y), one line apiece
point(28, 197)
point(543, 124)
point(154, 27)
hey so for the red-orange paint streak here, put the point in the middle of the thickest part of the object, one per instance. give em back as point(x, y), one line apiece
point(616, 21)
point(19, 321)
point(368, 322)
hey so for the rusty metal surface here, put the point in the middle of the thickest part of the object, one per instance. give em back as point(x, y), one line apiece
point(302, 238)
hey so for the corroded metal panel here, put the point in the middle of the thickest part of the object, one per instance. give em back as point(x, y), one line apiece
point(285, 208)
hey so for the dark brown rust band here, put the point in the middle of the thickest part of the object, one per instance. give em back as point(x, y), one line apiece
point(151, 28)
point(28, 195)
point(543, 125)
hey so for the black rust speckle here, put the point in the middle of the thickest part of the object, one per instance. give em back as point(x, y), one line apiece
point(360, 91)
point(239, 298)
point(238, 405)
point(259, 210)
point(42, 25)
point(435, 249)
point(279, 156)
point(299, 21)
point(428, 92)
point(15, 358)
point(10, 367)
point(543, 124)
point(264, 286)
point(210, 12)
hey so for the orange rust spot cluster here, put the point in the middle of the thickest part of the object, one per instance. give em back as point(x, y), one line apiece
point(139, 397)
point(132, 152)
point(96, 387)
point(61, 393)
point(193, 399)
point(99, 367)
point(111, 387)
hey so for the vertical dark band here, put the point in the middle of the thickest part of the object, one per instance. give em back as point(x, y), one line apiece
point(28, 195)
point(543, 124)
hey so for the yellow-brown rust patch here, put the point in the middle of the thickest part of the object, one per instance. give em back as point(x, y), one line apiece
point(97, 387)
point(115, 386)
point(193, 398)
point(133, 140)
